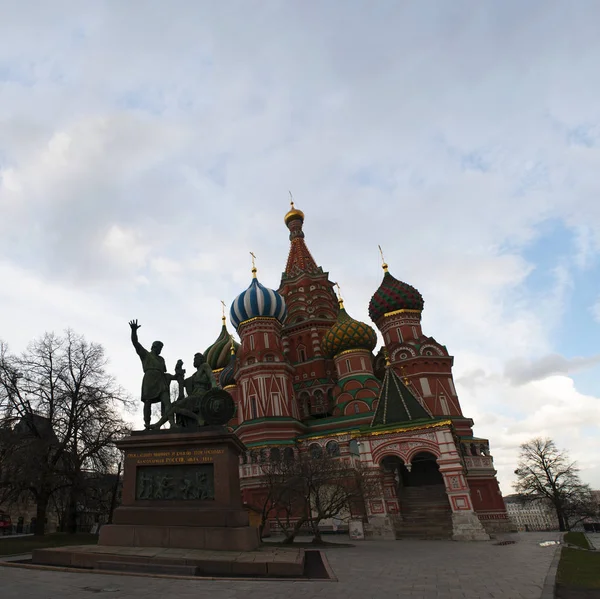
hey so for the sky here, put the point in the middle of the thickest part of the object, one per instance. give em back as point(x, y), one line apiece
point(147, 147)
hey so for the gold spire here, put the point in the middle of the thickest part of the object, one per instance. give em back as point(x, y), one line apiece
point(232, 345)
point(339, 295)
point(405, 378)
point(383, 264)
point(223, 318)
point(253, 265)
point(386, 355)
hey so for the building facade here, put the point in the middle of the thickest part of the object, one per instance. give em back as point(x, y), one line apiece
point(305, 377)
point(529, 516)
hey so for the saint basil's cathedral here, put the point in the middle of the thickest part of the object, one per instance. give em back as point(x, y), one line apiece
point(305, 378)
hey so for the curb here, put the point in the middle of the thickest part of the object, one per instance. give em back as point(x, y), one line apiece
point(550, 580)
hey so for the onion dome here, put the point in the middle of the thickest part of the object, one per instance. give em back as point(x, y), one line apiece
point(393, 295)
point(257, 301)
point(217, 354)
point(293, 214)
point(226, 378)
point(347, 334)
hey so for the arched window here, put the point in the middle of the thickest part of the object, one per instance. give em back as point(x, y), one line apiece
point(332, 448)
point(353, 446)
point(301, 354)
point(356, 408)
point(305, 403)
point(288, 454)
point(315, 451)
point(263, 456)
point(275, 454)
point(319, 405)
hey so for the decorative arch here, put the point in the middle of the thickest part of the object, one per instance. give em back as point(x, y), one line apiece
point(411, 353)
point(433, 349)
point(349, 410)
point(425, 447)
point(402, 450)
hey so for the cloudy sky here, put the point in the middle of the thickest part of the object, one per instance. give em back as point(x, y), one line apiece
point(146, 147)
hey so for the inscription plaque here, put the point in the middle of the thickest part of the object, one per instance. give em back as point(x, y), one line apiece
point(181, 483)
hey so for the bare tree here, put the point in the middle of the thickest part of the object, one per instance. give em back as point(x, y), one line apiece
point(546, 472)
point(309, 489)
point(61, 412)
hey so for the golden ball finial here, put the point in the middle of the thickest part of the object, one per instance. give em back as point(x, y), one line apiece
point(293, 214)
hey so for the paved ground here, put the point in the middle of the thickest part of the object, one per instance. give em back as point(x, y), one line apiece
point(594, 539)
point(370, 570)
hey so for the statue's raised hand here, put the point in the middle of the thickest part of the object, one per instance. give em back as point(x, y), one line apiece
point(134, 325)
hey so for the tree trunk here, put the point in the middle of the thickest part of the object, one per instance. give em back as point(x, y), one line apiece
point(317, 539)
point(291, 535)
point(562, 525)
point(40, 515)
point(72, 512)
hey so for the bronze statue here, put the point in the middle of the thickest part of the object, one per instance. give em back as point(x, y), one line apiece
point(156, 381)
point(202, 380)
point(188, 409)
point(206, 402)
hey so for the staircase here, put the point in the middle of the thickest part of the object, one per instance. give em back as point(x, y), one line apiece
point(426, 513)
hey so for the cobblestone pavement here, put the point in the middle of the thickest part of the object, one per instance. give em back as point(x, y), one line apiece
point(370, 570)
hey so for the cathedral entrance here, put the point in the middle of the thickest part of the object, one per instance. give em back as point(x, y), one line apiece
point(419, 487)
point(425, 470)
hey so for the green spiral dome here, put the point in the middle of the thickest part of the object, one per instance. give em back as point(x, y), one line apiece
point(217, 355)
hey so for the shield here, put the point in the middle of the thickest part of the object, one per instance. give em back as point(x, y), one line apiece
point(217, 407)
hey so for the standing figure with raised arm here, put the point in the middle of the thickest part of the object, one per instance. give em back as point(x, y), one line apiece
point(156, 381)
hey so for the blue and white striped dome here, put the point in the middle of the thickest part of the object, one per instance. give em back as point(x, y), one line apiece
point(256, 301)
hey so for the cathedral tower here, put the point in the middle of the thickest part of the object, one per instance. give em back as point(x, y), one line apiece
point(396, 309)
point(312, 310)
point(264, 379)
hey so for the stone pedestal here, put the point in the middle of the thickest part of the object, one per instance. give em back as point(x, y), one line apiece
point(467, 527)
point(181, 490)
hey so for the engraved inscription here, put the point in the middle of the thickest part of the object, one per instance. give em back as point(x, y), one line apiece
point(183, 482)
point(190, 456)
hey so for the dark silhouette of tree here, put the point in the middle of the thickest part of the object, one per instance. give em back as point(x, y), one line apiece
point(546, 472)
point(311, 488)
point(60, 414)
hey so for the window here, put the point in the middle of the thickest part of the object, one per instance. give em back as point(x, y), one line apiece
point(356, 408)
point(399, 333)
point(288, 454)
point(444, 405)
point(253, 406)
point(348, 366)
point(362, 364)
point(276, 404)
point(269, 358)
point(275, 454)
point(301, 354)
point(267, 340)
point(251, 342)
point(315, 451)
point(353, 446)
point(451, 385)
point(319, 404)
point(332, 448)
point(425, 387)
